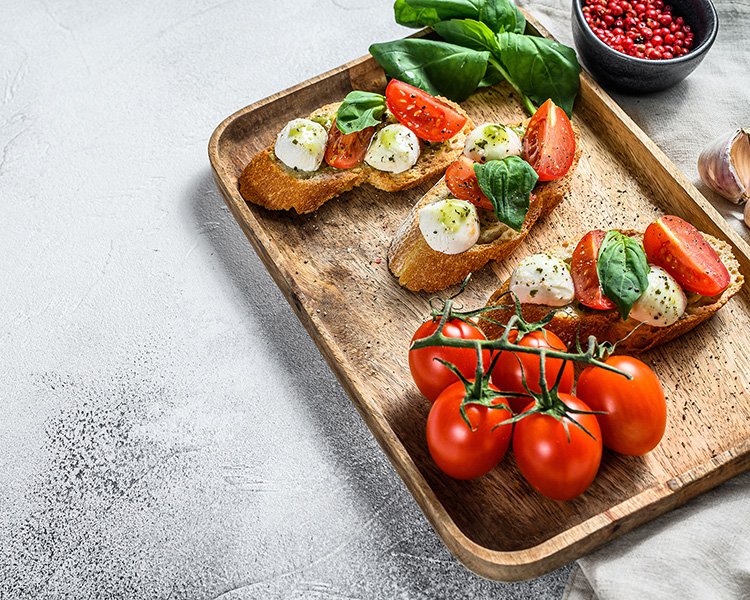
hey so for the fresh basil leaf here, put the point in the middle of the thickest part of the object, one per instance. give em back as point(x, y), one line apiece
point(499, 15)
point(438, 68)
point(408, 16)
point(623, 270)
point(520, 21)
point(491, 76)
point(469, 33)
point(359, 110)
point(541, 68)
point(508, 184)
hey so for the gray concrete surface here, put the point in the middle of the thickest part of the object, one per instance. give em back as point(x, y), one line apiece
point(169, 430)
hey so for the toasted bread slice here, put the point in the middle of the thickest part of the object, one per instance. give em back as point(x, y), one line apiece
point(270, 183)
point(419, 267)
point(607, 325)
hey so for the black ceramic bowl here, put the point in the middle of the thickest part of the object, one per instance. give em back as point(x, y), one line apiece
point(624, 73)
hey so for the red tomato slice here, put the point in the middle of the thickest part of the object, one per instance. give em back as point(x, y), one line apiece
point(344, 151)
point(462, 182)
point(681, 250)
point(583, 271)
point(425, 115)
point(549, 144)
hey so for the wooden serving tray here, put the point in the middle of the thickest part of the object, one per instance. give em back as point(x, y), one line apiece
point(332, 268)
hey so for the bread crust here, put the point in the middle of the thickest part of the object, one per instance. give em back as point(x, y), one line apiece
point(266, 181)
point(606, 325)
point(419, 267)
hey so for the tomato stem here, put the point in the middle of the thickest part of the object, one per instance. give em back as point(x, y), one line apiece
point(548, 400)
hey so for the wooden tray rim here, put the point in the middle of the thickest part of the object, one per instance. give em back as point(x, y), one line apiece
point(580, 539)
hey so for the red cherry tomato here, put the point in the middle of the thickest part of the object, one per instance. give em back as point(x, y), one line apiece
point(345, 151)
point(559, 469)
point(583, 271)
point(682, 251)
point(549, 144)
point(636, 410)
point(425, 115)
point(460, 451)
point(432, 377)
point(462, 182)
point(507, 372)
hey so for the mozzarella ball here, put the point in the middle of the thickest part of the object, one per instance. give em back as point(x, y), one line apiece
point(449, 226)
point(301, 145)
point(492, 141)
point(663, 302)
point(542, 279)
point(394, 149)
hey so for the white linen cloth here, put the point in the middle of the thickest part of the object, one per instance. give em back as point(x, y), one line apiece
point(701, 550)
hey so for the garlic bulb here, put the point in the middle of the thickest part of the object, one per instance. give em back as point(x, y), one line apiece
point(724, 166)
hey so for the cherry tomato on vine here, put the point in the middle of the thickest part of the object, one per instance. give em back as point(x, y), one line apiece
point(636, 410)
point(507, 372)
point(462, 182)
point(428, 117)
point(583, 271)
point(559, 469)
point(347, 150)
point(432, 377)
point(549, 144)
point(682, 251)
point(462, 452)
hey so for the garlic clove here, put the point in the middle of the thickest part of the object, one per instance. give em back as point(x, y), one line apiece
point(747, 214)
point(724, 166)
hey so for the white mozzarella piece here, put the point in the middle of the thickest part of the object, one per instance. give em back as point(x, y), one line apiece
point(449, 226)
point(663, 302)
point(394, 148)
point(543, 279)
point(492, 141)
point(301, 145)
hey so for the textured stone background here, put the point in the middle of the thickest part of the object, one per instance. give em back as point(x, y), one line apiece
point(169, 430)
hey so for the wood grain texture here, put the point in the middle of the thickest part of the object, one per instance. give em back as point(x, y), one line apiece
point(331, 266)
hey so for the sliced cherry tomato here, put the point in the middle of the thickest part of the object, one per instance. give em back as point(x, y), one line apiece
point(583, 271)
point(462, 182)
point(507, 374)
point(558, 468)
point(425, 115)
point(636, 409)
point(682, 251)
point(431, 376)
point(344, 151)
point(460, 451)
point(549, 144)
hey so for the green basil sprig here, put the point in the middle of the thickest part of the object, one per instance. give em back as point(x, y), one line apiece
point(416, 18)
point(498, 15)
point(508, 184)
point(541, 68)
point(435, 67)
point(494, 30)
point(360, 110)
point(467, 32)
point(623, 270)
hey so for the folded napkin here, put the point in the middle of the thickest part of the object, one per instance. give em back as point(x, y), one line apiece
point(701, 550)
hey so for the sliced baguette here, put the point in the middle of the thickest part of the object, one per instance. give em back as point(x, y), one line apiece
point(607, 325)
point(270, 183)
point(419, 267)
